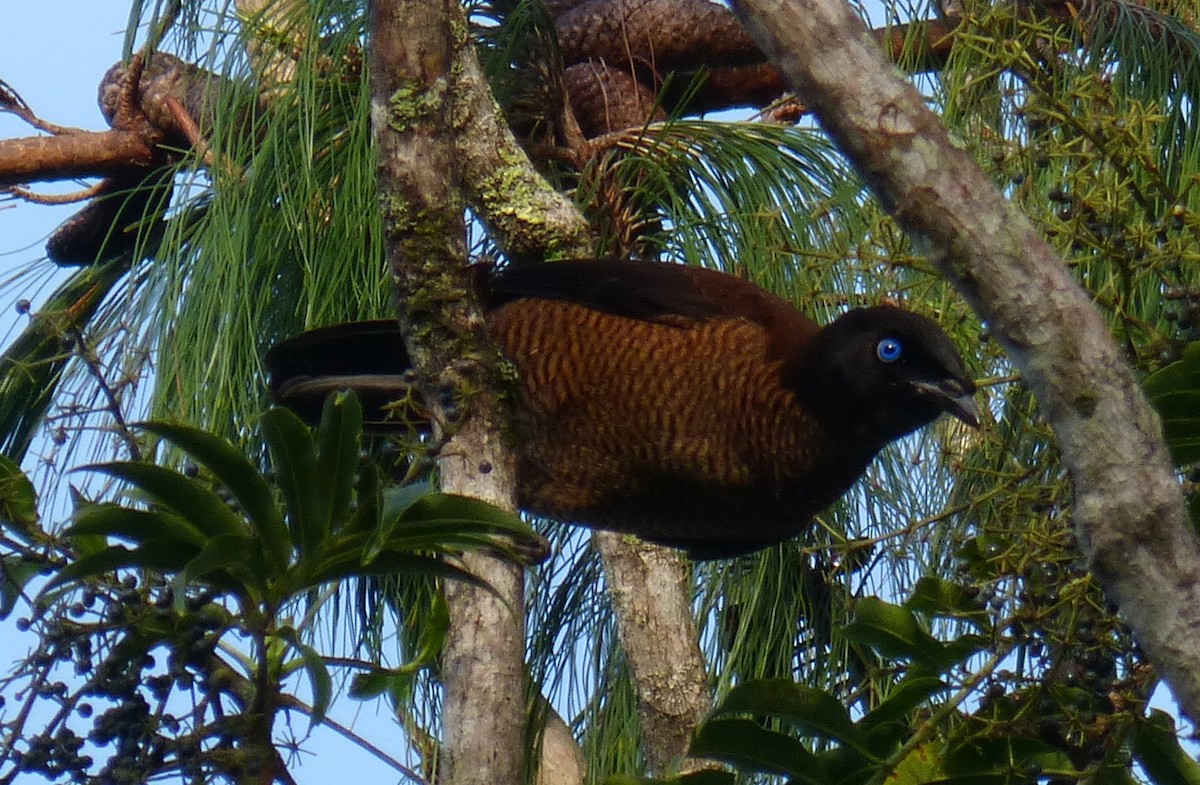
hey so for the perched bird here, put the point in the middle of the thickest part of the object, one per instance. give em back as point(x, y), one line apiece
point(683, 405)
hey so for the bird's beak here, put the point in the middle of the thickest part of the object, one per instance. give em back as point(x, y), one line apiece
point(952, 396)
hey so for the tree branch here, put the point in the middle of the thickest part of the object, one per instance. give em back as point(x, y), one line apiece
point(413, 46)
point(69, 157)
point(651, 591)
point(527, 215)
point(1129, 511)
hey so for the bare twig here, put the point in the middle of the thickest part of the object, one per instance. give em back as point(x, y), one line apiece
point(92, 362)
point(13, 103)
point(26, 195)
point(187, 124)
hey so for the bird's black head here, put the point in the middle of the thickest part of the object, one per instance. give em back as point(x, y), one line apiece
point(886, 371)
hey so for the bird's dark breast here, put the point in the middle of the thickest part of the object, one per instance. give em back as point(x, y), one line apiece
point(680, 433)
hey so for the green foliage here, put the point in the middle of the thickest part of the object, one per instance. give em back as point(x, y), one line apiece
point(32, 366)
point(18, 502)
point(1175, 393)
point(1155, 744)
point(291, 223)
point(235, 539)
point(755, 727)
point(782, 728)
point(744, 197)
point(15, 574)
point(228, 555)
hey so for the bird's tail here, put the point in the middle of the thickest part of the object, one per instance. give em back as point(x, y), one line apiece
point(366, 357)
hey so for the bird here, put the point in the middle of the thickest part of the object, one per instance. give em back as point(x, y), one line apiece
point(677, 403)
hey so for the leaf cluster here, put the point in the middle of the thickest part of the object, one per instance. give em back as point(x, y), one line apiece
point(923, 728)
point(228, 556)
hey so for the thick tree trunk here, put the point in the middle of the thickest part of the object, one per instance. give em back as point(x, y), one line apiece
point(1129, 510)
point(413, 47)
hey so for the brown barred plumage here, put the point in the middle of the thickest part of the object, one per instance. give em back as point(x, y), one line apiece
point(683, 405)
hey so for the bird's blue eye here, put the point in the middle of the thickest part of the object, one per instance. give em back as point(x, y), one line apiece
point(888, 350)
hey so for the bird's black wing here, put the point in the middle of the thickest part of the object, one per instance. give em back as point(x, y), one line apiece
point(653, 291)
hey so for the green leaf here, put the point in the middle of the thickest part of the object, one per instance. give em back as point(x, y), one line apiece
point(318, 675)
point(417, 519)
point(1183, 374)
point(747, 745)
point(18, 501)
point(135, 526)
point(435, 627)
point(1156, 746)
point(85, 544)
point(396, 502)
point(162, 555)
point(937, 597)
point(33, 362)
point(375, 682)
point(243, 479)
point(183, 495)
point(238, 556)
point(887, 724)
point(399, 498)
point(474, 523)
point(1175, 392)
point(396, 683)
point(449, 506)
point(450, 536)
point(294, 460)
point(15, 574)
point(349, 565)
point(369, 496)
point(1004, 757)
point(961, 648)
point(339, 438)
point(919, 767)
point(894, 632)
point(813, 712)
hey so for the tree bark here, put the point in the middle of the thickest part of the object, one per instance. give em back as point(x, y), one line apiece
point(651, 591)
point(650, 585)
point(526, 215)
point(561, 761)
point(413, 47)
point(1129, 510)
point(90, 154)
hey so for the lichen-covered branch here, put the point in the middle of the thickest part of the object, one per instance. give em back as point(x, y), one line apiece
point(527, 215)
point(1129, 509)
point(413, 45)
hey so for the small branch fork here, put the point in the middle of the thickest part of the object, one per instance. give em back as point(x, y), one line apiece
point(71, 152)
point(113, 404)
point(132, 145)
